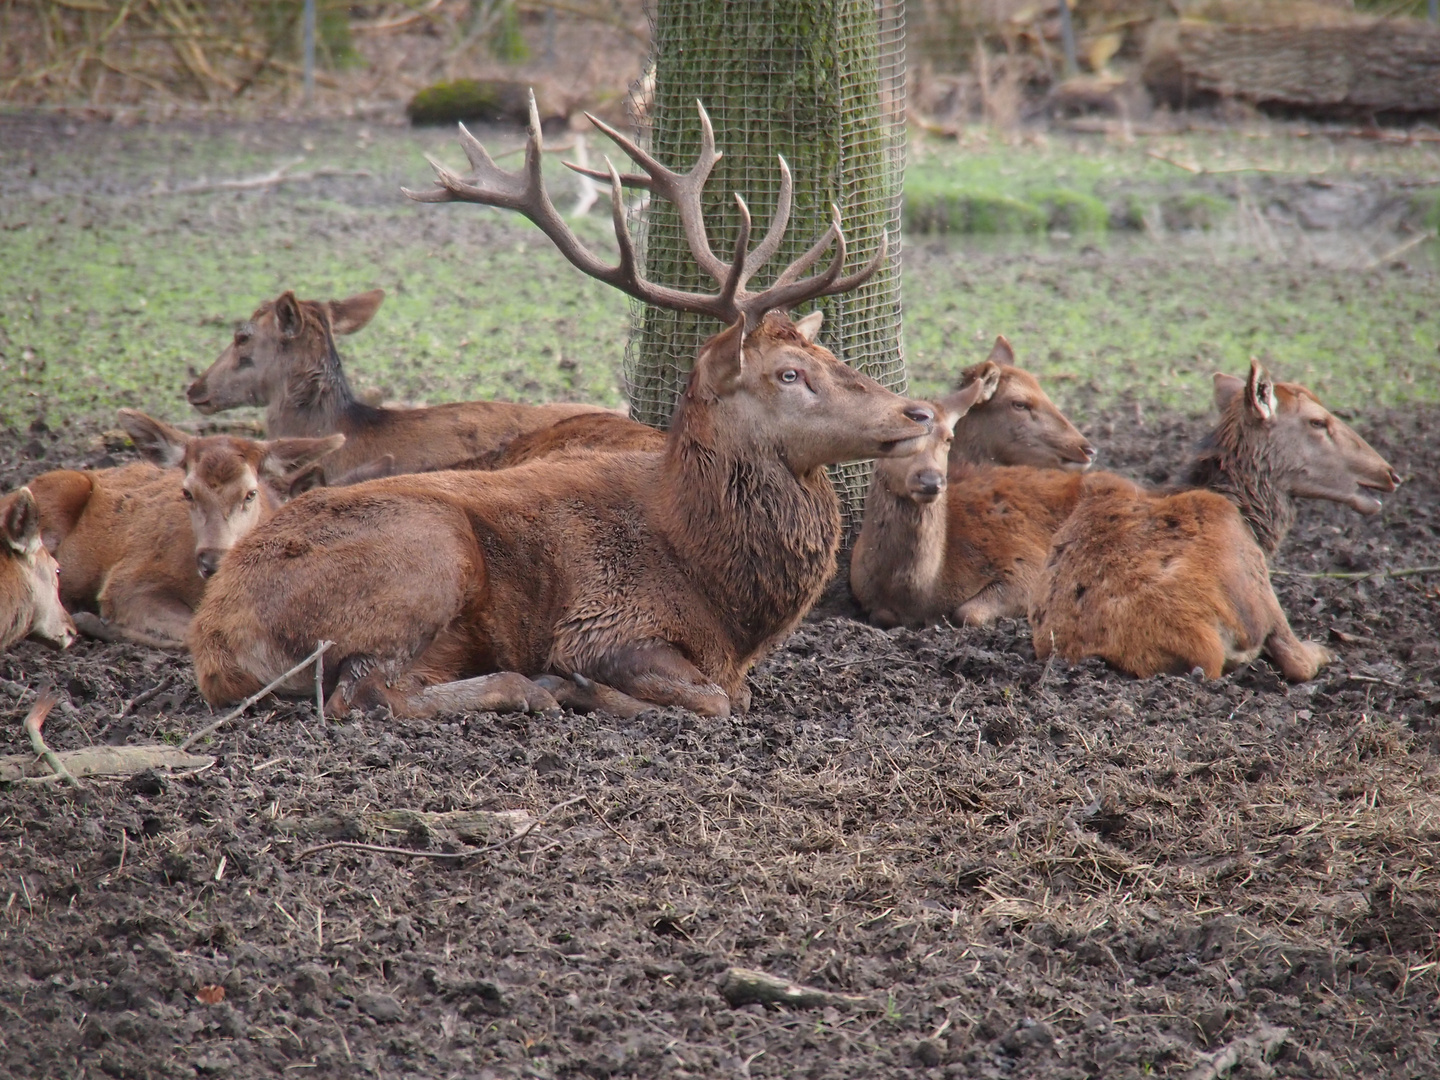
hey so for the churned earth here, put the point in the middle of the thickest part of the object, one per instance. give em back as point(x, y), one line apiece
point(998, 868)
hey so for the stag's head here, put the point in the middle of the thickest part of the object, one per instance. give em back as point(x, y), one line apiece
point(29, 578)
point(231, 485)
point(1282, 430)
point(1018, 424)
point(764, 381)
point(285, 347)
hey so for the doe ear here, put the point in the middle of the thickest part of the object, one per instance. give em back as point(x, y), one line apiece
point(1260, 392)
point(975, 392)
point(287, 314)
point(286, 459)
point(1227, 387)
point(20, 522)
point(156, 440)
point(984, 377)
point(722, 363)
point(1001, 352)
point(809, 326)
point(347, 316)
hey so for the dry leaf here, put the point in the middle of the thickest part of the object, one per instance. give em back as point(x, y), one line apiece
point(211, 994)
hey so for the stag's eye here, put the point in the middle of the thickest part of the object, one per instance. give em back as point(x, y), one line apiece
point(1319, 424)
point(250, 495)
point(789, 375)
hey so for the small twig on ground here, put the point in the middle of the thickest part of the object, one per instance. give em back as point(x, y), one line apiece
point(382, 849)
point(596, 810)
point(33, 722)
point(1359, 575)
point(744, 986)
point(233, 713)
point(1396, 252)
point(281, 174)
point(320, 678)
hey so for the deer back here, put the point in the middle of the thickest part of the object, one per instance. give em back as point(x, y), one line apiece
point(285, 359)
point(30, 603)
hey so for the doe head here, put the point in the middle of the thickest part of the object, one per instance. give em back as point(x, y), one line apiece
point(1018, 424)
point(231, 484)
point(1303, 446)
point(29, 578)
point(284, 343)
point(777, 387)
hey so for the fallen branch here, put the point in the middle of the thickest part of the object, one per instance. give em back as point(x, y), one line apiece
point(1257, 1048)
point(383, 849)
point(103, 761)
point(744, 986)
point(233, 713)
point(383, 26)
point(279, 175)
point(1359, 575)
point(1397, 251)
point(33, 721)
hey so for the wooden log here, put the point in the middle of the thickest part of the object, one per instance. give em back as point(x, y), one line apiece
point(1358, 65)
point(104, 761)
point(745, 986)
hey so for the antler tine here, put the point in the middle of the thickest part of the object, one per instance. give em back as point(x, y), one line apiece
point(787, 293)
point(864, 274)
point(734, 281)
point(778, 224)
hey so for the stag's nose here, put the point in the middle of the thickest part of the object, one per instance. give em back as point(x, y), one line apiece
point(921, 414)
point(206, 560)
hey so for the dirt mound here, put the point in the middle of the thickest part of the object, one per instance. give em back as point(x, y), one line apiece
point(1005, 868)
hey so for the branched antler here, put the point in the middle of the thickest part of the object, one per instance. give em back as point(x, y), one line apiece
point(525, 191)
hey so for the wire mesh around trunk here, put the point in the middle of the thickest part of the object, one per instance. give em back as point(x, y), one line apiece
point(821, 82)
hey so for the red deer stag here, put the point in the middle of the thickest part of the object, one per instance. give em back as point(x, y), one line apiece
point(29, 578)
point(284, 358)
point(135, 543)
point(914, 559)
point(1169, 583)
point(661, 576)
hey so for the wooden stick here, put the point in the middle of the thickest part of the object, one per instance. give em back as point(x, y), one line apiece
point(233, 713)
point(1396, 252)
point(33, 722)
point(1359, 575)
point(386, 850)
point(102, 761)
point(744, 986)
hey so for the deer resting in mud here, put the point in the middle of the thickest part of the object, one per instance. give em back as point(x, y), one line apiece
point(29, 578)
point(1156, 583)
point(284, 358)
point(913, 562)
point(135, 543)
point(621, 580)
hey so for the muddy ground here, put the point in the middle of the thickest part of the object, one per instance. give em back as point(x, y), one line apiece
point(1013, 870)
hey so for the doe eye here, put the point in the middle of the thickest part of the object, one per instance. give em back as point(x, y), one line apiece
point(1318, 423)
point(185, 494)
point(244, 362)
point(1023, 406)
point(789, 375)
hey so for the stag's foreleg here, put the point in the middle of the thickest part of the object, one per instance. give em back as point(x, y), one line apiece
point(656, 672)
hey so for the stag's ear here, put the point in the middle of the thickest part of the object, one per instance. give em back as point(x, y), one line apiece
point(286, 460)
point(723, 362)
point(1260, 393)
point(1227, 387)
point(1001, 352)
point(20, 523)
point(287, 314)
point(157, 441)
point(809, 326)
point(347, 316)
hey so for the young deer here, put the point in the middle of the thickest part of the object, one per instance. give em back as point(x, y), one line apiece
point(913, 561)
point(135, 543)
point(29, 578)
point(1170, 583)
point(661, 576)
point(284, 358)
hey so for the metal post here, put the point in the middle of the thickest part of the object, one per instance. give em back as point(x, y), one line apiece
point(309, 51)
point(1067, 38)
point(1435, 11)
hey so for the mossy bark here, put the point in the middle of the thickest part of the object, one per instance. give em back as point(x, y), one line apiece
point(799, 78)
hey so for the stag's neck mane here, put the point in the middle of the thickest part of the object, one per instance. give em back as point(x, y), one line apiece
point(317, 399)
point(763, 539)
point(1234, 460)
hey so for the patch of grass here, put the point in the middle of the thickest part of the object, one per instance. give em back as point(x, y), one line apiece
point(931, 209)
point(1072, 211)
point(1194, 210)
